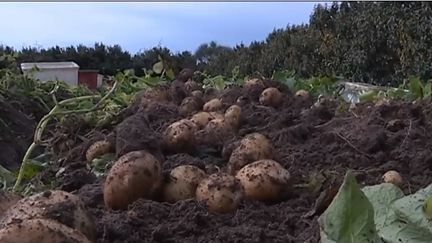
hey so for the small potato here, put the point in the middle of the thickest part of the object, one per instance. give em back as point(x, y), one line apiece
point(264, 180)
point(179, 136)
point(183, 182)
point(271, 97)
point(213, 105)
point(221, 192)
point(192, 86)
point(302, 93)
point(7, 200)
point(252, 147)
point(201, 119)
point(189, 105)
point(61, 206)
point(233, 115)
point(40, 231)
point(197, 93)
point(98, 148)
point(393, 177)
point(135, 175)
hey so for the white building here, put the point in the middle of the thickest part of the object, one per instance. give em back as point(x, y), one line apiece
point(65, 71)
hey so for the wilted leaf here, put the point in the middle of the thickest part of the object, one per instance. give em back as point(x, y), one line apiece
point(350, 216)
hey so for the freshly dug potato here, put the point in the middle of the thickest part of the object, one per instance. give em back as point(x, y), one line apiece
point(264, 180)
point(192, 86)
point(98, 148)
point(197, 93)
point(61, 206)
point(302, 93)
point(213, 105)
point(217, 115)
point(7, 200)
point(157, 93)
point(252, 147)
point(253, 88)
point(40, 231)
point(183, 182)
point(219, 127)
point(233, 115)
point(221, 192)
point(393, 177)
point(201, 119)
point(179, 136)
point(271, 97)
point(135, 175)
point(185, 74)
point(189, 105)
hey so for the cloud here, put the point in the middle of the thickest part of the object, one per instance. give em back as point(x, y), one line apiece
point(135, 26)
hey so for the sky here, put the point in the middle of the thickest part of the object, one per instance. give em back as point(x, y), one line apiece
point(138, 26)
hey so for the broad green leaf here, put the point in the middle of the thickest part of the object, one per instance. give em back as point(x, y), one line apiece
point(382, 196)
point(416, 88)
point(158, 67)
point(350, 216)
point(402, 232)
point(170, 74)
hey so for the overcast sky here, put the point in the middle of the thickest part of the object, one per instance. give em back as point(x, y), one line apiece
point(135, 26)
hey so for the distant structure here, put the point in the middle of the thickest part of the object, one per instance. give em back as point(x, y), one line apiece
point(66, 71)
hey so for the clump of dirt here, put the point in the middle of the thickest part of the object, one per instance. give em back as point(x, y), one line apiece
point(311, 139)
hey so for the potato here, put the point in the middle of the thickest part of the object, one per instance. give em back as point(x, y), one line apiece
point(201, 119)
point(135, 175)
point(213, 105)
point(57, 205)
point(219, 127)
point(192, 86)
point(189, 105)
point(221, 192)
point(7, 200)
point(217, 115)
point(252, 147)
point(183, 182)
point(40, 231)
point(179, 136)
point(197, 93)
point(157, 93)
point(97, 149)
point(264, 180)
point(271, 97)
point(393, 177)
point(302, 93)
point(233, 115)
point(253, 88)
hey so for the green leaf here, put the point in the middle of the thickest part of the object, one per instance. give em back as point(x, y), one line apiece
point(158, 67)
point(416, 88)
point(170, 74)
point(350, 216)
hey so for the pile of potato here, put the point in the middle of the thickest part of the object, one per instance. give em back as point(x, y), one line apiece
point(50, 216)
point(250, 172)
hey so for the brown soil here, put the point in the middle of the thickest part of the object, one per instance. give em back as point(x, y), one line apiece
point(316, 143)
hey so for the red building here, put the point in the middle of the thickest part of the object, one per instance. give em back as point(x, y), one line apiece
point(91, 78)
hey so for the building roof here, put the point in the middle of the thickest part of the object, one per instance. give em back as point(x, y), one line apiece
point(48, 65)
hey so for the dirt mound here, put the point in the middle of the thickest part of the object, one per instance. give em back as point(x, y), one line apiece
point(316, 141)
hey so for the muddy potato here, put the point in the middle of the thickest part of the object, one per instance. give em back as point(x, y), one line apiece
point(183, 182)
point(252, 88)
point(179, 136)
point(135, 175)
point(218, 126)
point(40, 231)
point(7, 200)
point(393, 177)
point(192, 86)
point(252, 147)
point(302, 93)
point(213, 105)
point(189, 105)
point(201, 119)
point(217, 115)
point(271, 97)
point(264, 180)
point(157, 93)
point(97, 149)
point(233, 115)
point(221, 192)
point(57, 205)
point(197, 94)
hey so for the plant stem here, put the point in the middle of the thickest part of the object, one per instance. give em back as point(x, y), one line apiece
point(44, 121)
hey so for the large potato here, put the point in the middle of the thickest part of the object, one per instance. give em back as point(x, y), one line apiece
point(201, 119)
point(264, 180)
point(213, 105)
point(219, 127)
point(271, 97)
point(221, 192)
point(135, 175)
point(179, 136)
point(57, 205)
point(253, 147)
point(40, 231)
point(7, 200)
point(233, 115)
point(183, 182)
point(98, 148)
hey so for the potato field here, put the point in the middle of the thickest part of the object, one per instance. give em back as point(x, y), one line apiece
point(187, 160)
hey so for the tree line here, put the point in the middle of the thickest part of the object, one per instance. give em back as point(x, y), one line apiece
point(373, 42)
